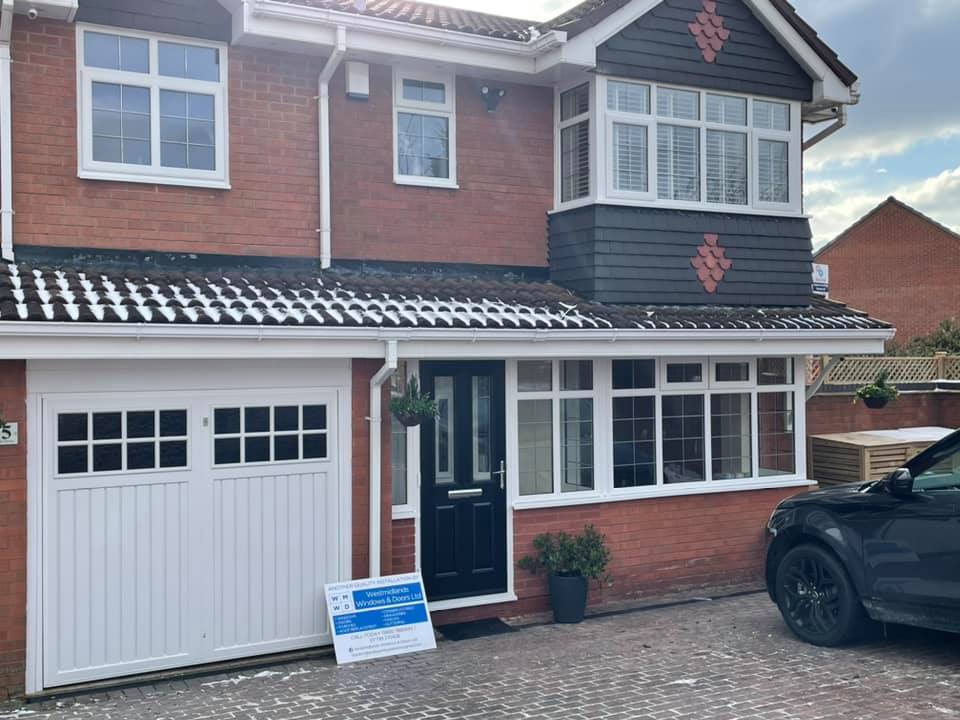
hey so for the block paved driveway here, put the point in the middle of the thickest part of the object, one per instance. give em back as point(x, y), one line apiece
point(721, 659)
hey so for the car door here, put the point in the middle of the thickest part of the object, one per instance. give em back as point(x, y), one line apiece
point(912, 543)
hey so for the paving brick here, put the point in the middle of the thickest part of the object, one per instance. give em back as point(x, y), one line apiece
point(728, 659)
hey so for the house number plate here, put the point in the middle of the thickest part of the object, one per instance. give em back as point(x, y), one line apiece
point(10, 434)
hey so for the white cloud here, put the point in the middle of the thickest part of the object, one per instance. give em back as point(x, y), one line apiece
point(863, 147)
point(835, 205)
point(881, 171)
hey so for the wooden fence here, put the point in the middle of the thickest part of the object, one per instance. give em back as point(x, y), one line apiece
point(852, 372)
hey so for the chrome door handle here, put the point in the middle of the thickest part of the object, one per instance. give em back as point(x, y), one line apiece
point(501, 473)
point(468, 492)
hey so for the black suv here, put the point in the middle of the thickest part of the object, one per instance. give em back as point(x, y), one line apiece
point(887, 550)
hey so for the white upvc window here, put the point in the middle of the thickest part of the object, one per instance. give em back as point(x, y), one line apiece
point(642, 427)
point(151, 108)
point(677, 147)
point(425, 128)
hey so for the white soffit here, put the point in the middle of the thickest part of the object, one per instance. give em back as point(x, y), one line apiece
point(49, 9)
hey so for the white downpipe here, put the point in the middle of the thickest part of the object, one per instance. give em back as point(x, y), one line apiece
point(6, 139)
point(324, 119)
point(376, 412)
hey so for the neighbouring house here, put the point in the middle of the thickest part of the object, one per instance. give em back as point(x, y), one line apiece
point(897, 264)
point(230, 228)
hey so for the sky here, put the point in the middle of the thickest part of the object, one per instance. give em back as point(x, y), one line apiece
point(903, 138)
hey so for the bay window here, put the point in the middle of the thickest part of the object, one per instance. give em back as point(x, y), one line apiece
point(677, 147)
point(636, 427)
point(151, 109)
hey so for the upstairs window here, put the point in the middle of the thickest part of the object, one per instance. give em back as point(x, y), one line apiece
point(425, 122)
point(152, 109)
point(677, 147)
point(575, 143)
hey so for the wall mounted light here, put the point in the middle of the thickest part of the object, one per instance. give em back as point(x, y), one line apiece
point(492, 96)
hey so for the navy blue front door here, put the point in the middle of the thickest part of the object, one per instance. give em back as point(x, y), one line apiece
point(463, 481)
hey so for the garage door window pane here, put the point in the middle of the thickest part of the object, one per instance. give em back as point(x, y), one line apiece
point(141, 456)
point(107, 426)
point(140, 424)
point(286, 447)
point(71, 427)
point(315, 447)
point(314, 417)
point(286, 418)
point(108, 458)
point(173, 423)
point(226, 421)
point(173, 454)
point(226, 451)
point(256, 449)
point(256, 419)
point(72, 460)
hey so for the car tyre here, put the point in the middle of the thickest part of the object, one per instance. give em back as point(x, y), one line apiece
point(816, 597)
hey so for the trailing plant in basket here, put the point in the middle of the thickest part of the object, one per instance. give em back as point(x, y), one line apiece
point(584, 555)
point(879, 392)
point(413, 407)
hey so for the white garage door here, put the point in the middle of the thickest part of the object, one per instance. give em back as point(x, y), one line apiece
point(184, 528)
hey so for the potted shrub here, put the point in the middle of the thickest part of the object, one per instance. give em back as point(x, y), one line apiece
point(878, 393)
point(570, 561)
point(413, 407)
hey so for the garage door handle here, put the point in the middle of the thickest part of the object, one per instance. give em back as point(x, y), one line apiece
point(471, 492)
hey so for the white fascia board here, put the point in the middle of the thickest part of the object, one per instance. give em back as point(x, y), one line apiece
point(49, 9)
point(279, 20)
point(47, 340)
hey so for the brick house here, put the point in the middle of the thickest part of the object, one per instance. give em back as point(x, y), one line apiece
point(895, 245)
point(230, 228)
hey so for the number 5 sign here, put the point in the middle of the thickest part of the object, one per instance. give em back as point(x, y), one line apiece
point(9, 434)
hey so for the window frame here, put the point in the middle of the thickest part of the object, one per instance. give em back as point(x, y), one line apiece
point(603, 395)
point(592, 133)
point(155, 173)
point(270, 434)
point(447, 110)
point(602, 180)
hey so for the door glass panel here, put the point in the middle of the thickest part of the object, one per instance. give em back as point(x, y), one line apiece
point(443, 429)
point(481, 427)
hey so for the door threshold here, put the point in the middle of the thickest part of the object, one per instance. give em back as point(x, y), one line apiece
point(472, 601)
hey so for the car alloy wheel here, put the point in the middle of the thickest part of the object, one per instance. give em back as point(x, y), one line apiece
point(812, 596)
point(817, 598)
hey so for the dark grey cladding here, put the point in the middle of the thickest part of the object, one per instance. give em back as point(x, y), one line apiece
point(660, 48)
point(615, 254)
point(206, 19)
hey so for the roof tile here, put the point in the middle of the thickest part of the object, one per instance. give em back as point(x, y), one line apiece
point(90, 294)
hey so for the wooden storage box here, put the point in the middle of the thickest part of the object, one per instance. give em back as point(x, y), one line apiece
point(841, 458)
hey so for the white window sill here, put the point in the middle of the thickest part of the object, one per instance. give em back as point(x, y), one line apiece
point(769, 210)
point(404, 512)
point(673, 490)
point(425, 182)
point(153, 179)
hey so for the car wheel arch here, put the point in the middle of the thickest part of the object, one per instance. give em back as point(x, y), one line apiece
point(790, 538)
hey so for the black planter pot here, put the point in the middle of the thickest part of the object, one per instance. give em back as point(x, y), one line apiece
point(568, 596)
point(408, 419)
point(875, 403)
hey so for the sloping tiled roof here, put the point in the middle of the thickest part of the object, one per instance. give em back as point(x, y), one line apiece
point(353, 299)
point(435, 16)
point(574, 21)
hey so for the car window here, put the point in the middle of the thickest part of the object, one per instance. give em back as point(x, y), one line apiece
point(938, 468)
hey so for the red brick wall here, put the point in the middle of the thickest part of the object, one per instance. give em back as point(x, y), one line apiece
point(657, 546)
point(498, 216)
point(362, 371)
point(273, 208)
point(838, 413)
point(505, 173)
point(898, 267)
point(13, 532)
point(404, 534)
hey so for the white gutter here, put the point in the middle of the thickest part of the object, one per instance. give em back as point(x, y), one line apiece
point(6, 139)
point(376, 412)
point(324, 130)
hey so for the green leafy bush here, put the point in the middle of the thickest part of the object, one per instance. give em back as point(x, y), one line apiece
point(560, 553)
point(879, 388)
point(413, 406)
point(946, 338)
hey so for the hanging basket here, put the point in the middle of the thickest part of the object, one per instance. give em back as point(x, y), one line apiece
point(409, 419)
point(876, 403)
